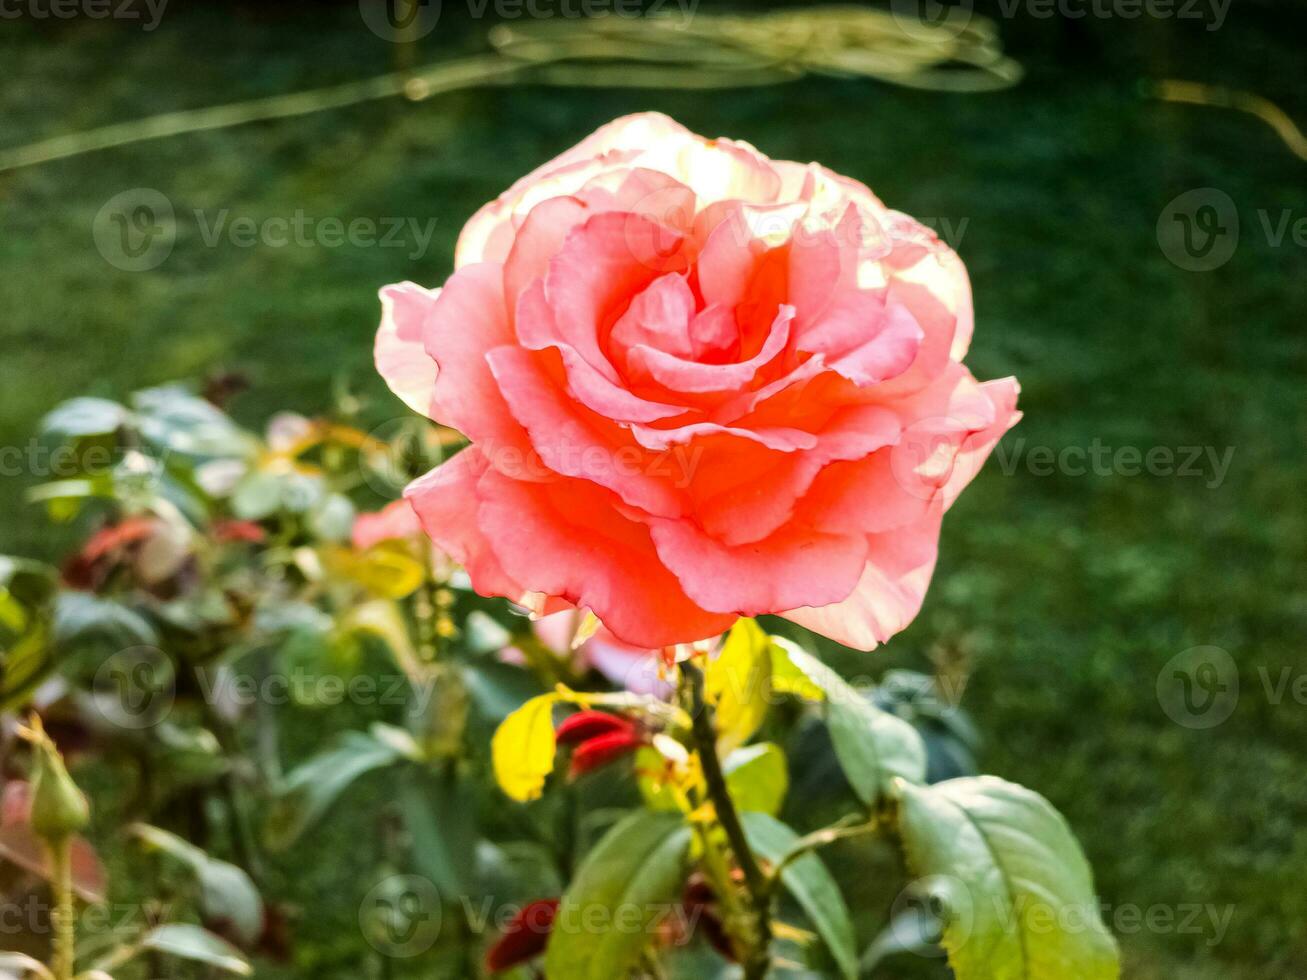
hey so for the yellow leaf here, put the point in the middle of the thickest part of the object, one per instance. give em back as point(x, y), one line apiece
point(384, 571)
point(523, 748)
point(738, 683)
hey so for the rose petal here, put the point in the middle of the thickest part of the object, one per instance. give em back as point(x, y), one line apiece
point(466, 321)
point(445, 501)
point(575, 442)
point(399, 354)
point(888, 594)
point(568, 540)
point(795, 566)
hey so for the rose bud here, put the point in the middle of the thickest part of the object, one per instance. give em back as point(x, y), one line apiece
point(59, 809)
point(525, 936)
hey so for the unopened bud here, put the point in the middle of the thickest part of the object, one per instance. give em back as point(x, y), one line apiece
point(59, 808)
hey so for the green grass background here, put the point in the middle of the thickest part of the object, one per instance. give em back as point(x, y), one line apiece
point(1068, 594)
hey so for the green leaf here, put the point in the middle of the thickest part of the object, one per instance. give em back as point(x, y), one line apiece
point(198, 945)
point(85, 417)
point(737, 682)
point(523, 748)
point(610, 912)
point(1017, 894)
point(312, 788)
point(812, 886)
point(333, 518)
point(79, 616)
point(226, 892)
point(26, 653)
point(649, 767)
point(757, 777)
point(873, 746)
point(257, 496)
point(441, 825)
point(179, 420)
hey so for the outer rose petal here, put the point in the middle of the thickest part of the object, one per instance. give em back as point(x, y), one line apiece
point(889, 592)
point(488, 235)
point(977, 446)
point(466, 321)
point(445, 502)
point(568, 540)
point(398, 353)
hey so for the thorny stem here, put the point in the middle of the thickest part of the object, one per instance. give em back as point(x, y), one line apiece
point(757, 960)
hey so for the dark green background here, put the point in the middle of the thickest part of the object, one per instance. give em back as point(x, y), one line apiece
point(1068, 594)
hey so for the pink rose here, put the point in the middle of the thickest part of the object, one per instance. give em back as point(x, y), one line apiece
point(699, 384)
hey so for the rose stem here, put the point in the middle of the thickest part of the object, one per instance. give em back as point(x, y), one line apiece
point(758, 961)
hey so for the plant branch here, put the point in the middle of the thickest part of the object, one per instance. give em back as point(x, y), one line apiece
point(852, 825)
point(758, 959)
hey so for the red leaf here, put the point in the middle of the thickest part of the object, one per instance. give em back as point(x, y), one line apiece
point(600, 751)
point(525, 936)
point(585, 725)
